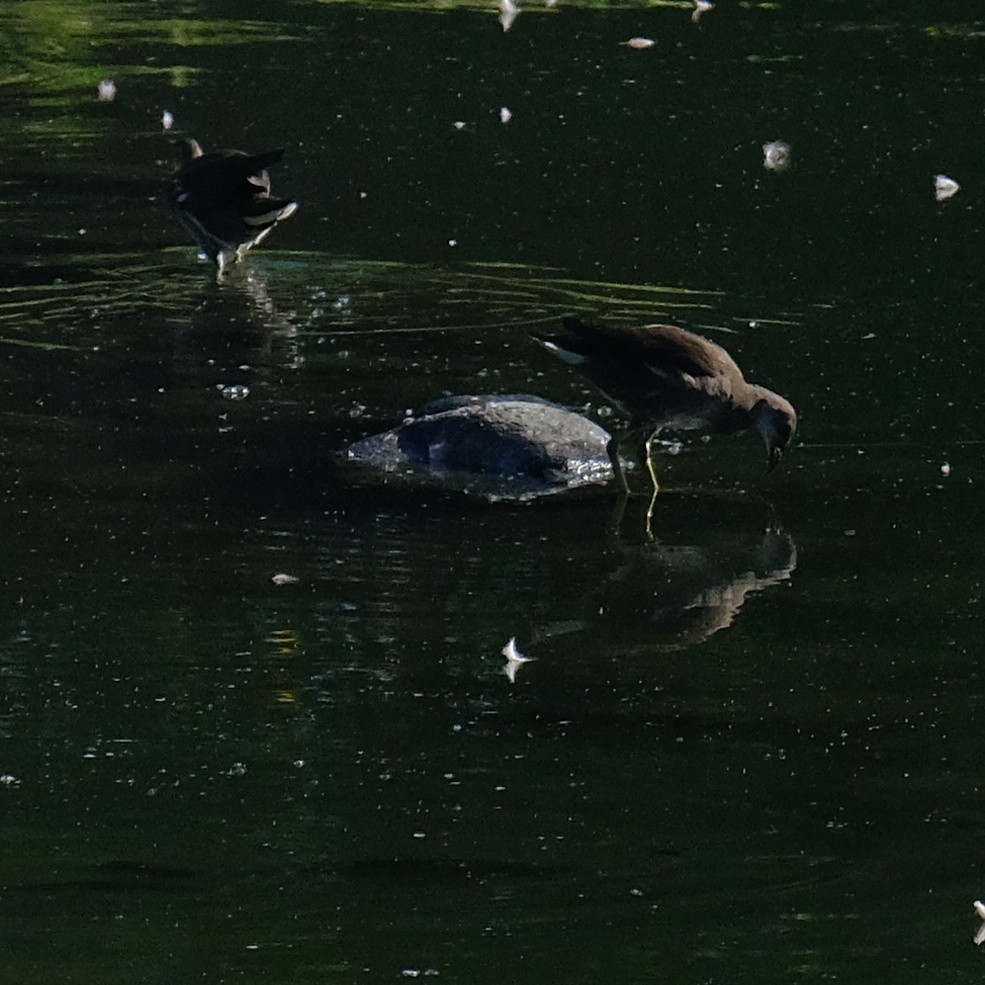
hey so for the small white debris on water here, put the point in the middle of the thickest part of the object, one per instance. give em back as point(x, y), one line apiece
point(459, 124)
point(776, 155)
point(945, 187)
point(512, 653)
point(505, 114)
point(639, 43)
point(233, 391)
point(107, 91)
point(167, 120)
point(285, 579)
point(945, 471)
point(514, 659)
point(701, 7)
point(508, 12)
point(980, 908)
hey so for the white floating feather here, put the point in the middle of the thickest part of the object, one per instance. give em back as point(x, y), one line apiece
point(776, 155)
point(508, 12)
point(514, 659)
point(945, 188)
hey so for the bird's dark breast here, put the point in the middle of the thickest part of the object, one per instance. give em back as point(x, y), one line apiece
point(209, 243)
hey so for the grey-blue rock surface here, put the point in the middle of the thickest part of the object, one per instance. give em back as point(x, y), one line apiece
point(497, 446)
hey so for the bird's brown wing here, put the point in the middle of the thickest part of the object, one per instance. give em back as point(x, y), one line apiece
point(664, 349)
point(678, 351)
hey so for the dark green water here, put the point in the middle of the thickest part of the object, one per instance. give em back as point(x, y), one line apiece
point(746, 751)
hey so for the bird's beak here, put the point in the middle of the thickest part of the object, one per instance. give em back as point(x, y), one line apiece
point(775, 454)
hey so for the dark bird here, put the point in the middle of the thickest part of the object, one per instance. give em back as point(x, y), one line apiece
point(666, 378)
point(224, 199)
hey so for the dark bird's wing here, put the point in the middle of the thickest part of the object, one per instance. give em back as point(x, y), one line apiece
point(225, 176)
point(657, 372)
point(663, 348)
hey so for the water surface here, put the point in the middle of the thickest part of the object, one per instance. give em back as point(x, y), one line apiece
point(745, 749)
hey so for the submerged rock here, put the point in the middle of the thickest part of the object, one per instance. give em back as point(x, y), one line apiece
point(498, 446)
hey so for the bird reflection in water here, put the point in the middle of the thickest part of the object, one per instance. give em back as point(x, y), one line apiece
point(237, 321)
point(685, 593)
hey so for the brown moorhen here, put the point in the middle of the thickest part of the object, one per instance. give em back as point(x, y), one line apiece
point(224, 199)
point(668, 378)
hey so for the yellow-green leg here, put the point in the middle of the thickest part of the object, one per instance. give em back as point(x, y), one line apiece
point(650, 467)
point(646, 452)
point(612, 448)
point(642, 452)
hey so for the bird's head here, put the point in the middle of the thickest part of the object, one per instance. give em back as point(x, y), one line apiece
point(776, 420)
